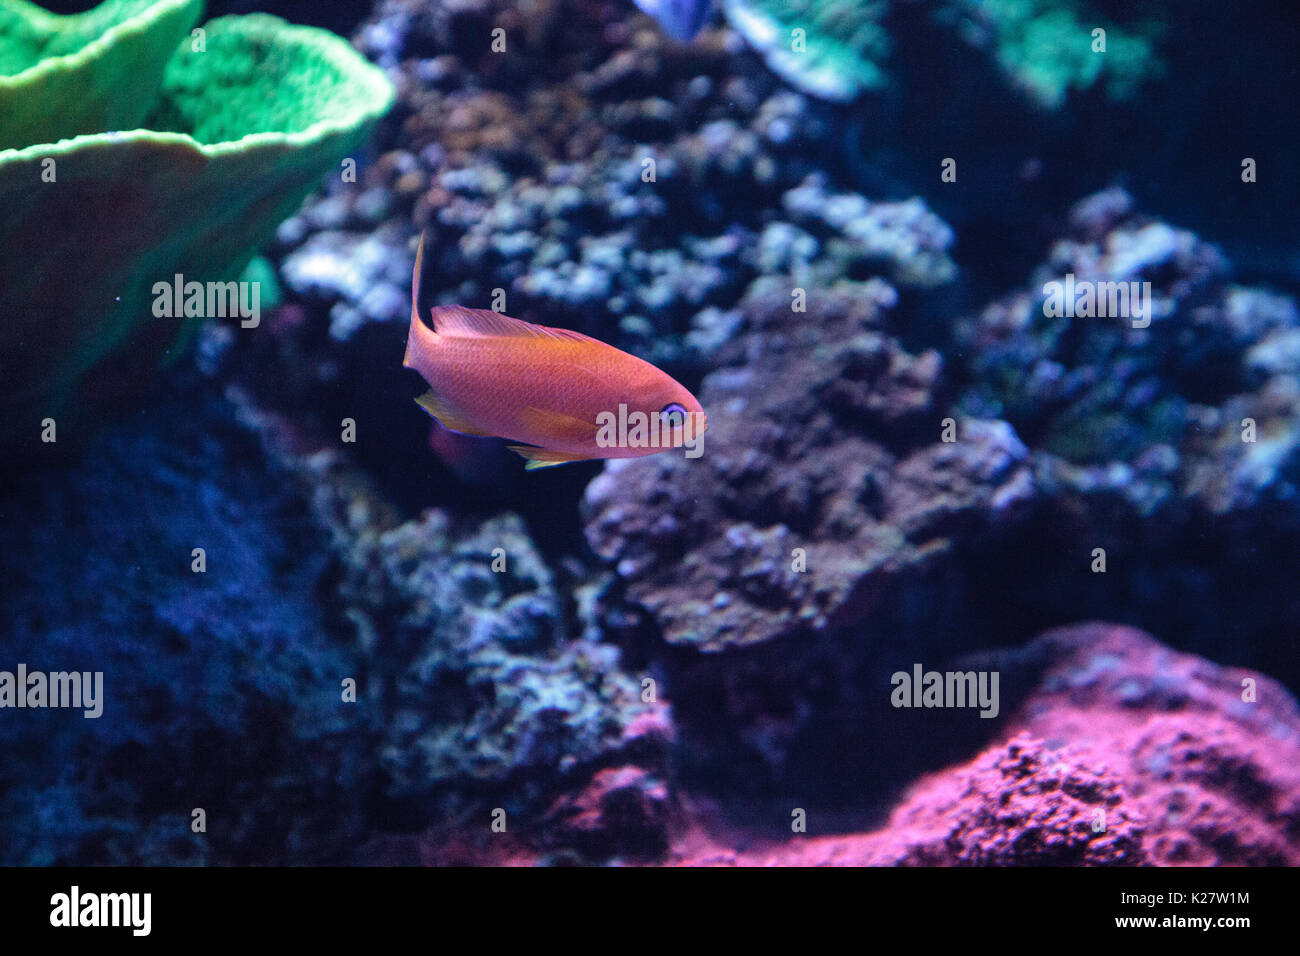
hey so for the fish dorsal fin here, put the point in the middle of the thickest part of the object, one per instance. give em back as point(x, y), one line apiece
point(456, 321)
point(418, 289)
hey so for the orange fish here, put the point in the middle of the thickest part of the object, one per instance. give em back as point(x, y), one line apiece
point(562, 395)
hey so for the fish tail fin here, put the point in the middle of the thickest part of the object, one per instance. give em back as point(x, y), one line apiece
point(421, 337)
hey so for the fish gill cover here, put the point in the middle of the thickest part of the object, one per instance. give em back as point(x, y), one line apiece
point(1000, 365)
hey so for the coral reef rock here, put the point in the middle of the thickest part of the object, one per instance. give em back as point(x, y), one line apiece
point(1120, 752)
point(823, 475)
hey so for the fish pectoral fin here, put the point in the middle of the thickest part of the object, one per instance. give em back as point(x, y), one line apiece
point(559, 426)
point(448, 414)
point(544, 457)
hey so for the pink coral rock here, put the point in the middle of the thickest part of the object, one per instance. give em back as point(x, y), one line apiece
point(1124, 752)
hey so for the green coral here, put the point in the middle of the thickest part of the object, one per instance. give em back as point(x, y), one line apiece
point(249, 121)
point(842, 42)
point(224, 92)
point(1046, 47)
point(65, 75)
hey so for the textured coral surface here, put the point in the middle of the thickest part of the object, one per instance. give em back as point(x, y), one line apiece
point(402, 649)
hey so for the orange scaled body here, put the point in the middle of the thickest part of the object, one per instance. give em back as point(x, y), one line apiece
point(552, 390)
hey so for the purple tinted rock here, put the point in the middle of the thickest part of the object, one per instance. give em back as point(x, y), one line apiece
point(823, 448)
point(1120, 752)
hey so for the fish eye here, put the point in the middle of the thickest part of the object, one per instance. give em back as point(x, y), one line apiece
point(673, 415)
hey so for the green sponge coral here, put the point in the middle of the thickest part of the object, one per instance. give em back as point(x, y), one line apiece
point(100, 70)
point(250, 125)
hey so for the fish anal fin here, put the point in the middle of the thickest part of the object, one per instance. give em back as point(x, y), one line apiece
point(544, 457)
point(448, 414)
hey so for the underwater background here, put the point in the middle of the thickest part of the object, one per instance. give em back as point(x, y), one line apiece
point(332, 631)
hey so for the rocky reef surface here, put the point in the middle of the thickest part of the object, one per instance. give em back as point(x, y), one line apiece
point(592, 175)
point(1121, 753)
point(656, 660)
point(484, 684)
point(324, 670)
point(854, 495)
point(221, 673)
